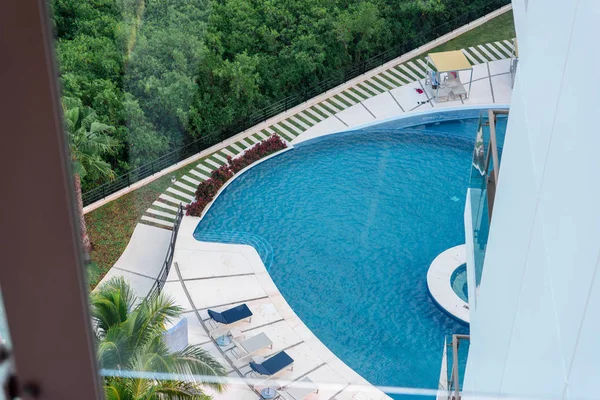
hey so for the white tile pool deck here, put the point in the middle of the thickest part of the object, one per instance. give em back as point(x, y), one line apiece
point(220, 276)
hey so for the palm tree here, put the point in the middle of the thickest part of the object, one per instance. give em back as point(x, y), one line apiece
point(88, 142)
point(130, 340)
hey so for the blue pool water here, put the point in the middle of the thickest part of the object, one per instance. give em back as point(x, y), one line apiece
point(348, 225)
point(458, 281)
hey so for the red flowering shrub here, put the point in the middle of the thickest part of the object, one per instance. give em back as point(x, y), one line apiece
point(196, 207)
point(261, 150)
point(222, 174)
point(208, 189)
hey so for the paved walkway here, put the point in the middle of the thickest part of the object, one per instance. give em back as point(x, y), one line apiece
point(219, 276)
point(142, 259)
point(389, 93)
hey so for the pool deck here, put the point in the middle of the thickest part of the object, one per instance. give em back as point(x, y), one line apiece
point(438, 282)
point(219, 276)
point(492, 85)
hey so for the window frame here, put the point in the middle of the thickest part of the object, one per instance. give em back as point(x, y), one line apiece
point(42, 276)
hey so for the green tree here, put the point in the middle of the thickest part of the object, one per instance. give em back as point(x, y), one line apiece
point(163, 65)
point(91, 57)
point(88, 142)
point(144, 142)
point(361, 28)
point(131, 339)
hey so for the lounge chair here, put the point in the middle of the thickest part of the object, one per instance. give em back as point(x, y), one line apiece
point(249, 346)
point(300, 392)
point(232, 315)
point(273, 365)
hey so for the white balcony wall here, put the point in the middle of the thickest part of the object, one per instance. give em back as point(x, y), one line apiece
point(535, 330)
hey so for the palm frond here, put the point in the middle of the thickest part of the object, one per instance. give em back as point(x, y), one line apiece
point(141, 388)
point(88, 117)
point(111, 303)
point(195, 361)
point(96, 142)
point(114, 351)
point(88, 139)
point(98, 165)
point(98, 127)
point(180, 390)
point(115, 389)
point(71, 119)
point(70, 102)
point(153, 314)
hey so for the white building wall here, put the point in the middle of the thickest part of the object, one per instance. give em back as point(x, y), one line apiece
point(536, 330)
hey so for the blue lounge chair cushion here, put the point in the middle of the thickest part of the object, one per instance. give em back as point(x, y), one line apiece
point(232, 315)
point(274, 364)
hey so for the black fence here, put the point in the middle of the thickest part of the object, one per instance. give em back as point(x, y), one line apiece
point(159, 283)
point(285, 104)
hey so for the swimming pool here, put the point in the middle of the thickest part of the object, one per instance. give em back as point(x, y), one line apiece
point(347, 226)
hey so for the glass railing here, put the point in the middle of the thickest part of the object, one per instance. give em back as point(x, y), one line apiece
point(484, 175)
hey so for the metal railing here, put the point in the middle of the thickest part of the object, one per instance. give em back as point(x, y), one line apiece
point(159, 283)
point(454, 380)
point(280, 106)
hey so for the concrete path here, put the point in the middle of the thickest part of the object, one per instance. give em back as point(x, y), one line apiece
point(143, 258)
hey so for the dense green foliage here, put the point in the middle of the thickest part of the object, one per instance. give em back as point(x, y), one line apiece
point(163, 72)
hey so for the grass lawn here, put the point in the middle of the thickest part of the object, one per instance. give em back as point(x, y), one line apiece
point(499, 28)
point(111, 226)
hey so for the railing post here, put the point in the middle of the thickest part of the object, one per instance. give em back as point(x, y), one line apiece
point(455, 366)
point(455, 377)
